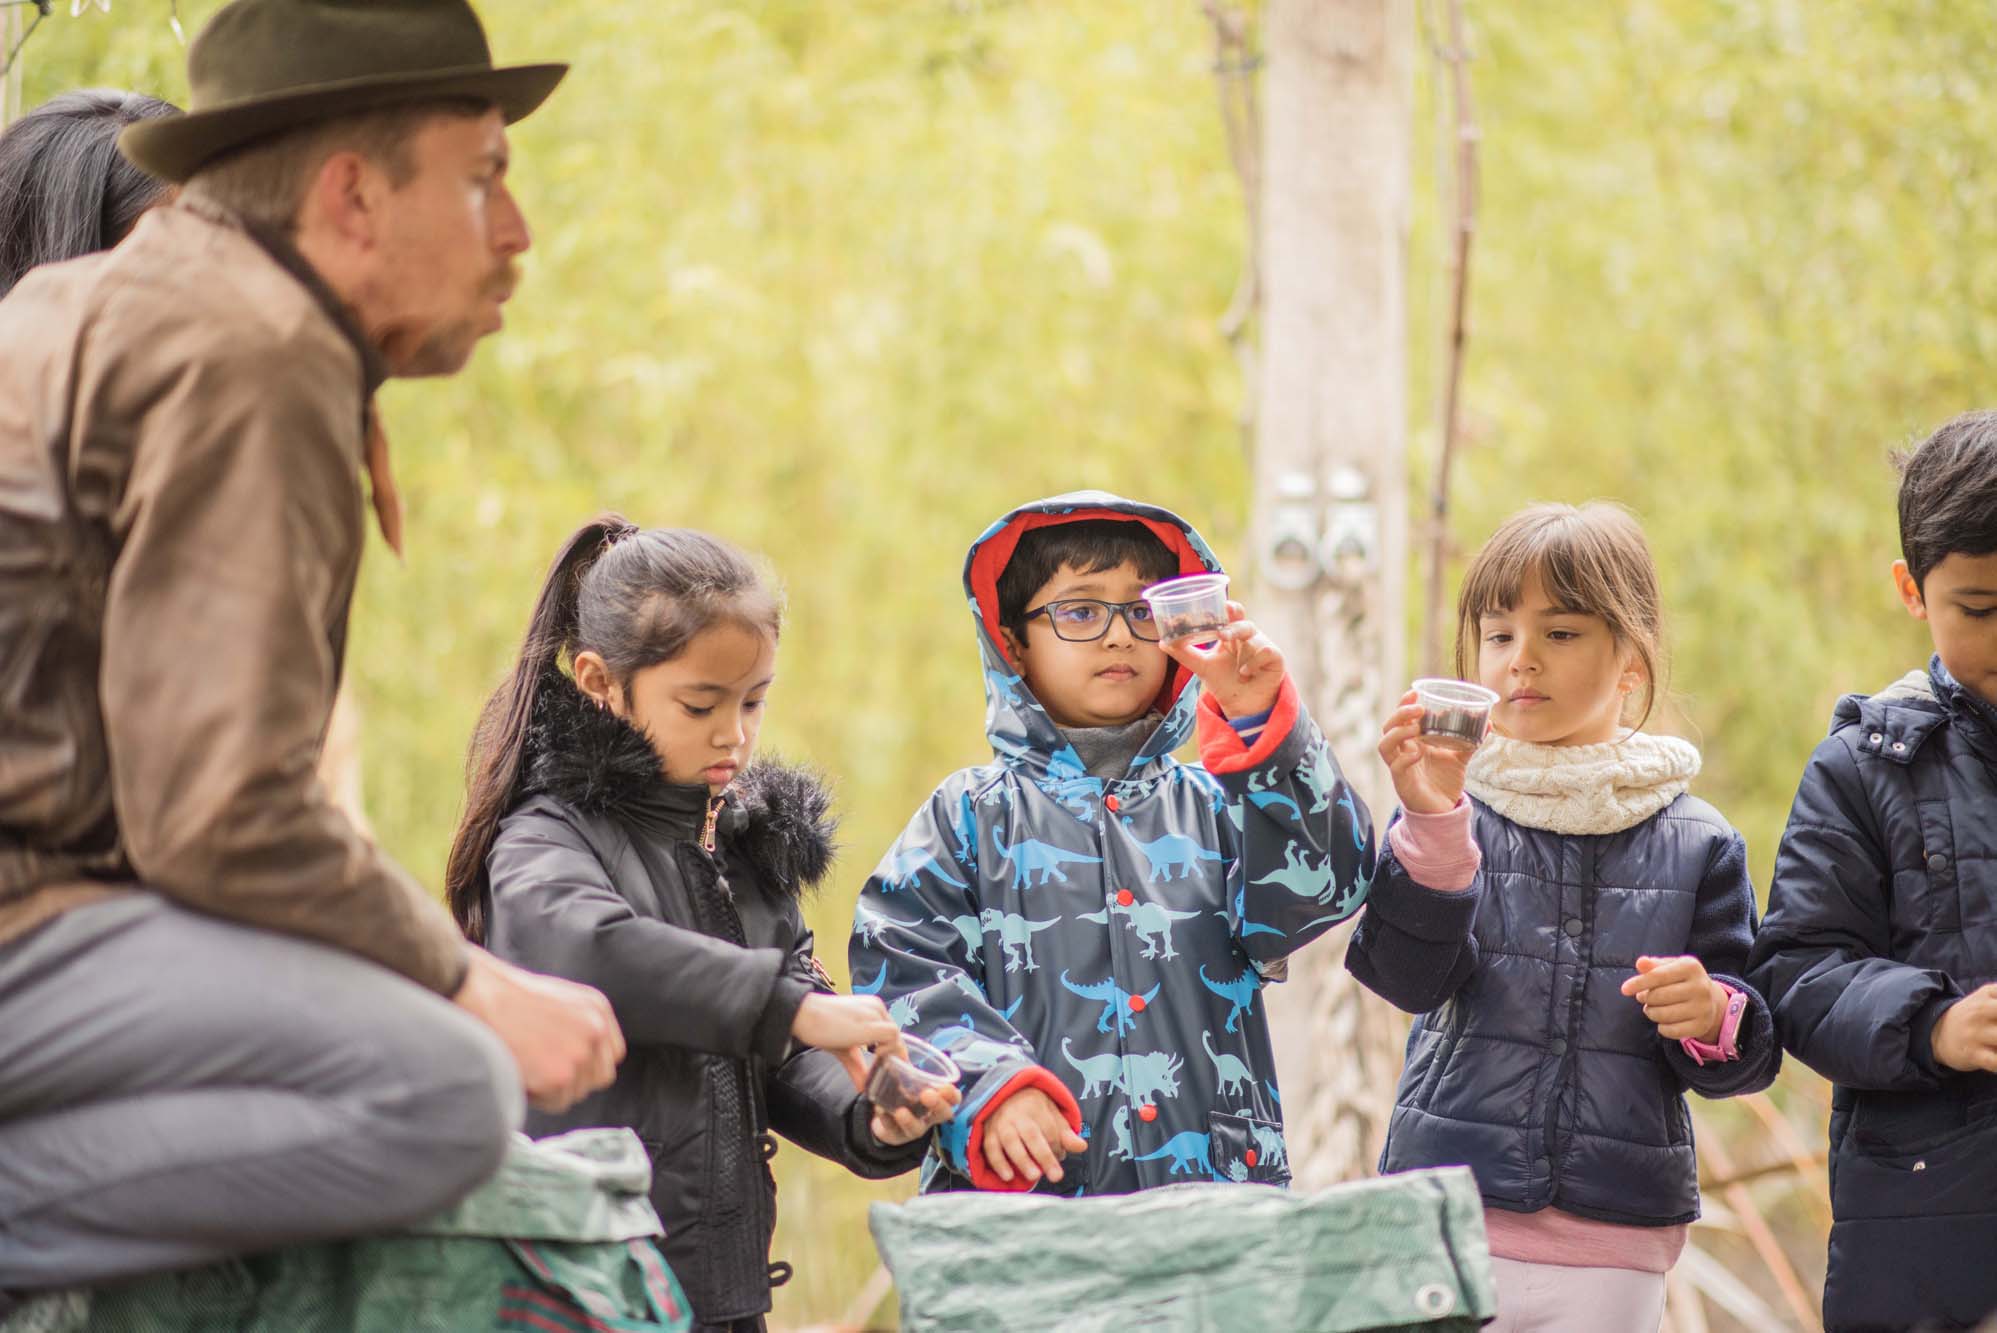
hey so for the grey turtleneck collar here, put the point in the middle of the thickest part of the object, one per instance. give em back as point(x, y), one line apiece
point(1107, 752)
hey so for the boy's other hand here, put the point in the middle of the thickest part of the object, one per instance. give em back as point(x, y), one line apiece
point(1428, 779)
point(1029, 1136)
point(562, 1034)
point(842, 1024)
point(1242, 669)
point(903, 1125)
point(1965, 1036)
point(1679, 997)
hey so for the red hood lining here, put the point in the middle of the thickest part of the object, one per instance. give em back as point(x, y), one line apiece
point(996, 552)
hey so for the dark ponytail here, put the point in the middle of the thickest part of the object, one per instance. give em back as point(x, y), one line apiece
point(635, 597)
point(65, 190)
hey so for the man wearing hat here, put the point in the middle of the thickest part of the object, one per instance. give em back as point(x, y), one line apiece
point(227, 1020)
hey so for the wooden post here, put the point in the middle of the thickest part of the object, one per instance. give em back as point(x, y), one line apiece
point(1331, 521)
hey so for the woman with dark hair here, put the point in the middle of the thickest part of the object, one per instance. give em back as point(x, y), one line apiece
point(65, 189)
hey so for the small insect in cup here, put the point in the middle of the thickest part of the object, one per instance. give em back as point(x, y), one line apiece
point(1188, 607)
point(895, 1084)
point(1455, 714)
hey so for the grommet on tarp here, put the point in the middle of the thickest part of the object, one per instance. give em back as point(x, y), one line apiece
point(1434, 1299)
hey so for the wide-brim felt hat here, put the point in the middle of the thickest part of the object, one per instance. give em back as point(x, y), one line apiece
point(261, 67)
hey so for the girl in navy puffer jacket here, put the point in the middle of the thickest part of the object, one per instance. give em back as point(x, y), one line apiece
point(1571, 934)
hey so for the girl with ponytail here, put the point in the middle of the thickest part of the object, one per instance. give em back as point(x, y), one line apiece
point(616, 832)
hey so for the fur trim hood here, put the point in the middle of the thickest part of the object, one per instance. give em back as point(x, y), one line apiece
point(778, 816)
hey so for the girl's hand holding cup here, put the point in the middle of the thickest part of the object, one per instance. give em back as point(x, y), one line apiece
point(1428, 778)
point(913, 1088)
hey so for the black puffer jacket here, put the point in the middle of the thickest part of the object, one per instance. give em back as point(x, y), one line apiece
point(1527, 1064)
point(600, 875)
point(1883, 912)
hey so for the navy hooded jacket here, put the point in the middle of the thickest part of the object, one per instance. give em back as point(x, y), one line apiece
point(1527, 1063)
point(1107, 940)
point(1884, 912)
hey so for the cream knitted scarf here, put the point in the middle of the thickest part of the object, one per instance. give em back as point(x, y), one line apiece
point(1602, 788)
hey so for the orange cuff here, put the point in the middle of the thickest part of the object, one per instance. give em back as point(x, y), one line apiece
point(1033, 1076)
point(1221, 748)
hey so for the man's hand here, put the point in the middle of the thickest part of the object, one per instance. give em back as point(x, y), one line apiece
point(1965, 1036)
point(1243, 670)
point(1428, 779)
point(1679, 997)
point(562, 1035)
point(1029, 1135)
point(842, 1024)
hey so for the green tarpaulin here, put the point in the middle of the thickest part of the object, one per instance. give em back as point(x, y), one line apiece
point(1404, 1252)
point(559, 1240)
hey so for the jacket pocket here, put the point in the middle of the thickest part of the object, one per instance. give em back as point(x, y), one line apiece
point(1245, 1149)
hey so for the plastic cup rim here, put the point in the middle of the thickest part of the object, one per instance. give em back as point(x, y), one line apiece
point(1186, 588)
point(920, 1050)
point(1455, 693)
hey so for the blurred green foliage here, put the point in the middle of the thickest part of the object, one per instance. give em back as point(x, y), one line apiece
point(843, 283)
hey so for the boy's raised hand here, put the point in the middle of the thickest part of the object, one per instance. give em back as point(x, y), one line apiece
point(1965, 1036)
point(1029, 1136)
point(1428, 779)
point(1242, 669)
point(1679, 997)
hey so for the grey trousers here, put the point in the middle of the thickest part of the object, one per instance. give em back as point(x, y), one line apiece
point(175, 1089)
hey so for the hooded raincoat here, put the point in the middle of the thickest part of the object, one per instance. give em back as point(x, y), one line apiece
point(1108, 940)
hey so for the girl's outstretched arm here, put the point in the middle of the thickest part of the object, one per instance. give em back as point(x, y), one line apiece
point(1414, 947)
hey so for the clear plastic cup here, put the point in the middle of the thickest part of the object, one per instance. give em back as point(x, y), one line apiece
point(896, 1084)
point(1184, 607)
point(1454, 713)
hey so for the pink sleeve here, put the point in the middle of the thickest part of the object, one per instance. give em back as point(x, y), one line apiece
point(1437, 851)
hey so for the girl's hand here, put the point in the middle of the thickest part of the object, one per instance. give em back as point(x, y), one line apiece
point(1243, 670)
point(842, 1024)
point(1679, 997)
point(1029, 1135)
point(1428, 779)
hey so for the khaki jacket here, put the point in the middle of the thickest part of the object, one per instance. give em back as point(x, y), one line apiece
point(181, 431)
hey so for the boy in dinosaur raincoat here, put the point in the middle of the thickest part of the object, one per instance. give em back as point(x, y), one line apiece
point(1085, 923)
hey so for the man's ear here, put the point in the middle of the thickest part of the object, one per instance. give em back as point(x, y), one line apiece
point(1910, 591)
point(593, 678)
point(345, 198)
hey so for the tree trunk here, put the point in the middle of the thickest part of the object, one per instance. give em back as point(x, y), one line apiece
point(1331, 489)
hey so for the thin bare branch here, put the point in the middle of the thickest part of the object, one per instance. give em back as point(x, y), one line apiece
point(1234, 69)
point(1719, 1165)
point(1457, 57)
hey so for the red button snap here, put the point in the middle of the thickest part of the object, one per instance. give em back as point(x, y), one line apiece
point(1137, 1004)
point(1110, 804)
point(1124, 897)
point(1250, 1157)
point(1147, 1113)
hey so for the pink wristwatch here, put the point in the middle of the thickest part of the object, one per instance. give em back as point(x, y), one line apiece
point(1728, 1046)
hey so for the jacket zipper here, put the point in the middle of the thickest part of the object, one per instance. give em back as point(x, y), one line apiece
point(714, 804)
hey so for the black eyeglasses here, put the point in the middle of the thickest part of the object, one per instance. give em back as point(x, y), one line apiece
point(1085, 619)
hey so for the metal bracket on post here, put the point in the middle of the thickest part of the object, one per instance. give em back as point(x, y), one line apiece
point(1348, 552)
point(1290, 535)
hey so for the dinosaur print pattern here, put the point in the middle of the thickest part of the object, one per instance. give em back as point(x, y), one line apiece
point(1120, 1127)
point(1029, 856)
point(1233, 1075)
point(1099, 1072)
point(1151, 921)
point(1187, 1150)
point(907, 864)
point(968, 929)
point(1119, 1005)
point(1239, 992)
point(1151, 1075)
point(1299, 876)
point(1015, 933)
point(1269, 1145)
point(1173, 852)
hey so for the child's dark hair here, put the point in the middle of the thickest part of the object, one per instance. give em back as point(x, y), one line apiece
point(1090, 546)
point(1591, 561)
point(1948, 494)
point(633, 596)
